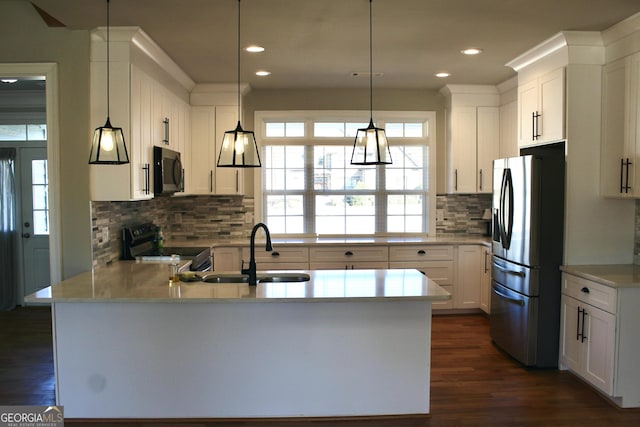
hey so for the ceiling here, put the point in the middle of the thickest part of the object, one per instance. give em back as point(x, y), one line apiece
point(320, 43)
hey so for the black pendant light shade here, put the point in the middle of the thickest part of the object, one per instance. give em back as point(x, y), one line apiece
point(108, 146)
point(239, 148)
point(371, 146)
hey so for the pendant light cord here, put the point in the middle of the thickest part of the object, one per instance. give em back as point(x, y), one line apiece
point(370, 61)
point(239, 109)
point(107, 60)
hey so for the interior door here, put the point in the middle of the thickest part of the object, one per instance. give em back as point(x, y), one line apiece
point(34, 210)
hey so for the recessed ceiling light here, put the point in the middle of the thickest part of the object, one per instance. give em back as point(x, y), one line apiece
point(9, 80)
point(254, 49)
point(442, 75)
point(263, 73)
point(471, 51)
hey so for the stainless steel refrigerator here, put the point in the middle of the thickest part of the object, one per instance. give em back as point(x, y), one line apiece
point(527, 244)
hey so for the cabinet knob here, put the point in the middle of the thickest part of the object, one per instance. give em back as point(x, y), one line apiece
point(585, 290)
point(348, 253)
point(421, 252)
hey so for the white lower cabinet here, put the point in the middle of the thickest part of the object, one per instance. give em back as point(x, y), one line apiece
point(284, 258)
point(345, 257)
point(468, 277)
point(227, 258)
point(435, 261)
point(485, 281)
point(599, 339)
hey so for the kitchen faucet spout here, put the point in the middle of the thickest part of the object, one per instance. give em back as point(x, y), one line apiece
point(251, 271)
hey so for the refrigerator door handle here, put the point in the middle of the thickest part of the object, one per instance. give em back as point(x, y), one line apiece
point(508, 271)
point(508, 298)
point(506, 212)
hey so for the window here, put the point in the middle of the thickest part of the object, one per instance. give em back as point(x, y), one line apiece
point(23, 132)
point(39, 188)
point(307, 185)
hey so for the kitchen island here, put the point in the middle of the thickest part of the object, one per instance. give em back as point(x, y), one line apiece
point(130, 344)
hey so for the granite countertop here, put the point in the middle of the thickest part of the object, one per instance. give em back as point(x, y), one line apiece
point(130, 281)
point(311, 241)
point(613, 275)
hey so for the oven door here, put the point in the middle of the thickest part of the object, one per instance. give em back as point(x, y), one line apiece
point(513, 323)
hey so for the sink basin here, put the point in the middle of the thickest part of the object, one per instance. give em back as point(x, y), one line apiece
point(283, 277)
point(225, 278)
point(244, 278)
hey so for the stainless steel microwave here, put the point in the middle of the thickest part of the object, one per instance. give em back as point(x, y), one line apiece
point(168, 174)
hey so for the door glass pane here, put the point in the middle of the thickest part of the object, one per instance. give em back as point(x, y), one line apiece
point(39, 188)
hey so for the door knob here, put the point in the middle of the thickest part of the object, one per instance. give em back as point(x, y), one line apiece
point(26, 235)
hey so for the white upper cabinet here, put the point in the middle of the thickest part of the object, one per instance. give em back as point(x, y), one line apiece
point(620, 128)
point(208, 125)
point(541, 109)
point(473, 137)
point(139, 101)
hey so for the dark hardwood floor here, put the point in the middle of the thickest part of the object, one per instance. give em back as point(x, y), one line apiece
point(473, 383)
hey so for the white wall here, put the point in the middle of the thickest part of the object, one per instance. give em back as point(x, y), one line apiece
point(26, 39)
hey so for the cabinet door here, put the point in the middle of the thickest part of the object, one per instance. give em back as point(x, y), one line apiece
point(140, 144)
point(462, 150)
point(485, 287)
point(508, 130)
point(227, 180)
point(467, 285)
point(227, 259)
point(615, 125)
point(488, 146)
point(600, 329)
point(570, 344)
point(551, 93)
point(527, 107)
point(202, 151)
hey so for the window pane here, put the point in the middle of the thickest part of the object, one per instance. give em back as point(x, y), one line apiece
point(41, 222)
point(13, 133)
point(413, 130)
point(335, 130)
point(340, 214)
point(37, 132)
point(333, 170)
point(39, 197)
point(352, 128)
point(295, 130)
point(39, 171)
point(394, 130)
point(274, 130)
point(405, 213)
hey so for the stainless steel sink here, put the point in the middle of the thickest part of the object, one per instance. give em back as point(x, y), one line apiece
point(283, 277)
point(261, 277)
point(225, 278)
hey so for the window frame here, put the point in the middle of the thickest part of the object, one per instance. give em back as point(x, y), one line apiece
point(429, 138)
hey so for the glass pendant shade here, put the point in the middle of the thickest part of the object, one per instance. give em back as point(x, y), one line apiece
point(371, 147)
point(239, 149)
point(108, 147)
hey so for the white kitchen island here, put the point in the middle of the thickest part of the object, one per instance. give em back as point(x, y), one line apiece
point(128, 344)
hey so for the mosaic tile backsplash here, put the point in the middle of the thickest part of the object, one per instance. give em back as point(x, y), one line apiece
point(222, 218)
point(217, 218)
point(462, 214)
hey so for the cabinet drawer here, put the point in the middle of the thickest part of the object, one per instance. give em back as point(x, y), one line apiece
point(440, 272)
point(420, 253)
point(596, 294)
point(278, 255)
point(349, 254)
point(361, 265)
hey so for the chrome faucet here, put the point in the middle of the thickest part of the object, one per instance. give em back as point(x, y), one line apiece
point(251, 271)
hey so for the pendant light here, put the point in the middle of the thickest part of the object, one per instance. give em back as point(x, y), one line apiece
point(371, 146)
point(239, 148)
point(107, 146)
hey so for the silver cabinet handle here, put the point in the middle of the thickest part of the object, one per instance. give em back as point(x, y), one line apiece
point(210, 181)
